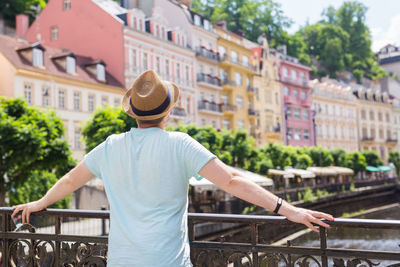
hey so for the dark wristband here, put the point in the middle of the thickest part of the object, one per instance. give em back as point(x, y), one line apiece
point(278, 205)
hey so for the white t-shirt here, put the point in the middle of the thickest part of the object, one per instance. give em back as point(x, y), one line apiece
point(146, 176)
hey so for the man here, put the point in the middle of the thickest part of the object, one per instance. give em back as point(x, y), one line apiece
point(146, 174)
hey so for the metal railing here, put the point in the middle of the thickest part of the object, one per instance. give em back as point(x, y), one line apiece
point(238, 62)
point(203, 105)
point(202, 51)
point(179, 112)
point(202, 77)
point(27, 247)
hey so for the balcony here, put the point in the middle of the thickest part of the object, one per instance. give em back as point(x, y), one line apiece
point(179, 112)
point(237, 62)
point(391, 140)
point(306, 102)
point(209, 54)
point(59, 245)
point(209, 107)
point(208, 79)
point(252, 90)
point(298, 82)
point(367, 139)
point(288, 99)
point(252, 112)
point(228, 83)
point(229, 108)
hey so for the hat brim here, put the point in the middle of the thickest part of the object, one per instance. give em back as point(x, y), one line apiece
point(174, 93)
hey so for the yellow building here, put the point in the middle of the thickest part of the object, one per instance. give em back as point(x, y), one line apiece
point(238, 94)
point(375, 121)
point(335, 110)
point(74, 86)
point(269, 97)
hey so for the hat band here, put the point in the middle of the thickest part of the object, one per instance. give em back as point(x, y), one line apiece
point(158, 110)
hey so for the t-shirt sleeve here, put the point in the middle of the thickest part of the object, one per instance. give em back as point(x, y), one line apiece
point(94, 159)
point(195, 156)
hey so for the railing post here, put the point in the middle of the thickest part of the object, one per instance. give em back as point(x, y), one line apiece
point(57, 255)
point(4, 252)
point(103, 223)
point(254, 240)
point(323, 244)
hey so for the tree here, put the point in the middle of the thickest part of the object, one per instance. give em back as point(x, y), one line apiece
point(31, 140)
point(320, 156)
point(36, 186)
point(394, 157)
point(356, 161)
point(339, 157)
point(304, 161)
point(10, 8)
point(105, 122)
point(372, 158)
point(279, 156)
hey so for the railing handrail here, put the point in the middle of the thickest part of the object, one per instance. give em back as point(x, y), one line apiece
point(226, 218)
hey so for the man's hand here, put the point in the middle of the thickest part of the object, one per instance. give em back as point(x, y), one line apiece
point(307, 217)
point(27, 209)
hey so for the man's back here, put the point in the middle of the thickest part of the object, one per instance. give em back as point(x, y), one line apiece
point(145, 174)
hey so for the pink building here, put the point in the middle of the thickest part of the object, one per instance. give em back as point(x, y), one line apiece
point(126, 39)
point(298, 118)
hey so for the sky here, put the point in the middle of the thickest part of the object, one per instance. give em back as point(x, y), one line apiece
point(383, 17)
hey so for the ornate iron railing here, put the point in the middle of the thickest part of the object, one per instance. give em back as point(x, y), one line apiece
point(28, 247)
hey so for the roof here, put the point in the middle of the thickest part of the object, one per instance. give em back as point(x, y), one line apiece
point(284, 174)
point(10, 45)
point(302, 173)
point(330, 171)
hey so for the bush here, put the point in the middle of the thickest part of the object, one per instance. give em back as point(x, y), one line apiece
point(308, 195)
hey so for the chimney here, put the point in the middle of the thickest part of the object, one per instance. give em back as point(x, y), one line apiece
point(240, 33)
point(22, 24)
point(187, 3)
point(222, 24)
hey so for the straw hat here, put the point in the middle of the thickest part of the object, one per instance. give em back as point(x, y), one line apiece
point(150, 97)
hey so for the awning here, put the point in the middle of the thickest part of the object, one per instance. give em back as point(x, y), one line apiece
point(302, 173)
point(284, 174)
point(372, 169)
point(322, 171)
point(342, 170)
point(385, 168)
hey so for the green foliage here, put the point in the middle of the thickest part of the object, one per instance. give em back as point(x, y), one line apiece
point(30, 140)
point(299, 196)
point(372, 158)
point(105, 122)
point(288, 198)
point(321, 193)
point(308, 195)
point(355, 161)
point(394, 157)
point(10, 8)
point(249, 209)
point(352, 187)
point(35, 187)
point(339, 157)
point(304, 161)
point(320, 156)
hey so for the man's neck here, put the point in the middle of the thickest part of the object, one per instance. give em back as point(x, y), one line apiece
point(161, 126)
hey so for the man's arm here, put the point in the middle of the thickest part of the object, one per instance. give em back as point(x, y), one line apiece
point(234, 183)
point(70, 182)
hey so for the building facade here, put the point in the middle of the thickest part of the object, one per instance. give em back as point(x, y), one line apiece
point(73, 85)
point(389, 59)
point(298, 118)
point(335, 115)
point(269, 90)
point(237, 73)
point(396, 121)
point(375, 121)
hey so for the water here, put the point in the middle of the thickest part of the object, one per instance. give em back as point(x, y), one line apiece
point(365, 239)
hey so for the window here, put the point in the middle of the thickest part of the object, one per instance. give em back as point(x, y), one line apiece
point(286, 90)
point(371, 115)
point(104, 100)
point(296, 113)
point(206, 24)
point(388, 134)
point(297, 134)
point(305, 114)
point(289, 112)
point(224, 99)
point(225, 123)
point(234, 56)
point(238, 78)
point(214, 124)
point(77, 139)
point(379, 116)
point(276, 98)
point(28, 93)
point(239, 101)
point(54, 33)
point(222, 51)
point(67, 5)
point(77, 101)
point(285, 72)
point(363, 115)
point(247, 81)
point(132, 59)
point(157, 31)
point(203, 122)
point(306, 134)
point(101, 72)
point(295, 93)
point(380, 133)
point(303, 95)
point(289, 133)
point(245, 60)
point(71, 65)
point(167, 67)
point(294, 74)
point(364, 132)
point(387, 117)
point(144, 61)
point(373, 133)
point(162, 33)
point(187, 73)
point(61, 99)
point(46, 96)
point(134, 22)
point(158, 66)
point(240, 124)
point(37, 57)
point(302, 76)
point(197, 20)
point(91, 103)
point(178, 70)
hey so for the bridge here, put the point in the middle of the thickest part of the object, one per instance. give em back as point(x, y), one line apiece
point(51, 244)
